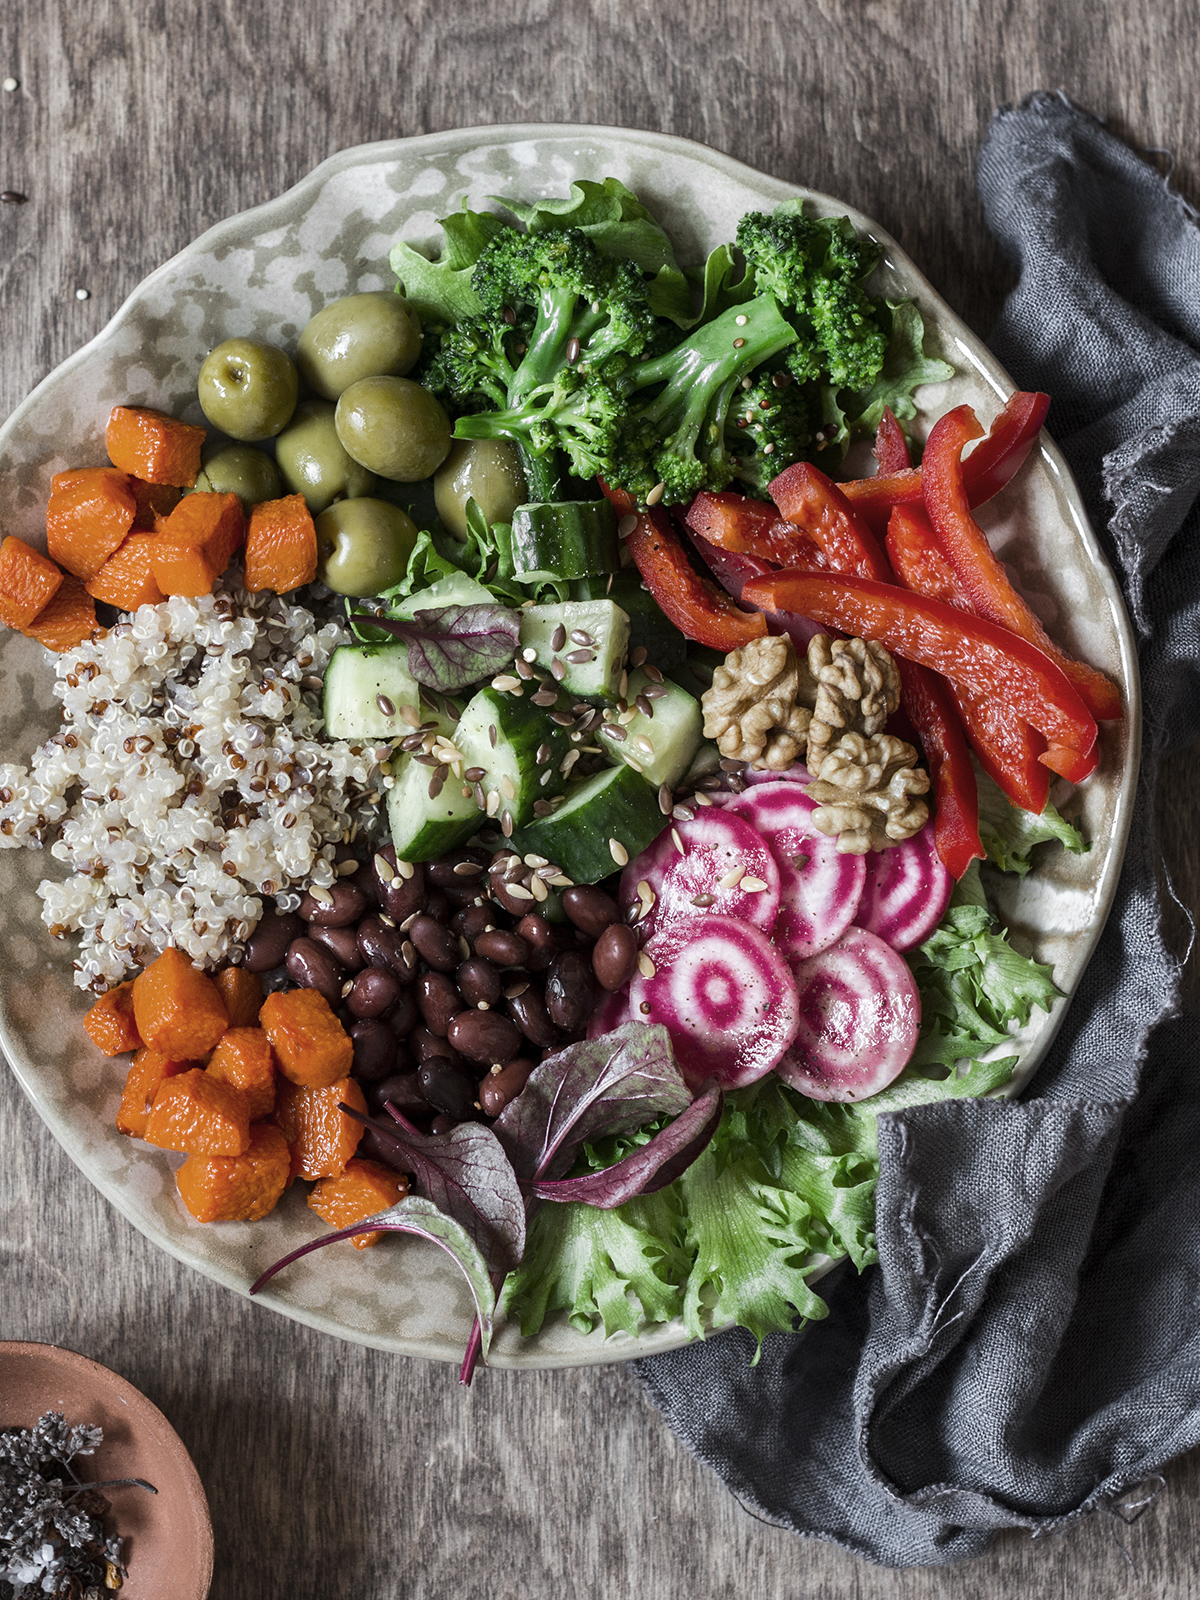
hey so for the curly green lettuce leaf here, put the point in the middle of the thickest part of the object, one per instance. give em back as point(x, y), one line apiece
point(905, 368)
point(1008, 834)
point(440, 291)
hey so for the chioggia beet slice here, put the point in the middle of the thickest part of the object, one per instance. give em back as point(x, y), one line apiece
point(611, 1011)
point(726, 997)
point(906, 892)
point(819, 887)
point(859, 1018)
point(717, 864)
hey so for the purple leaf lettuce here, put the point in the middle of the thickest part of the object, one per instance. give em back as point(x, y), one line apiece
point(450, 647)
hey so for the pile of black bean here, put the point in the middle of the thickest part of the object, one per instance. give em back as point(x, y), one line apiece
point(449, 977)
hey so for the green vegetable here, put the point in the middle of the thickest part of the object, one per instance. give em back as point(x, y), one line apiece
point(1008, 834)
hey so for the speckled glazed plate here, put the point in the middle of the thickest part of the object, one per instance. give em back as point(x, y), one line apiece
point(265, 273)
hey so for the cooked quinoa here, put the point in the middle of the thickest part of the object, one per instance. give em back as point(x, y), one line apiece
point(189, 780)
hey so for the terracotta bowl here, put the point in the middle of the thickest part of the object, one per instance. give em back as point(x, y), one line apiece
point(168, 1539)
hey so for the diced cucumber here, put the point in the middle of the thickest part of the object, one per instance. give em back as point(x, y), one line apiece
point(455, 590)
point(361, 681)
point(522, 758)
point(425, 826)
point(616, 807)
point(696, 673)
point(661, 747)
point(564, 539)
point(705, 763)
point(665, 647)
point(605, 624)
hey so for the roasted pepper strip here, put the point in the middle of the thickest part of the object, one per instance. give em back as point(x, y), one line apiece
point(748, 527)
point(981, 574)
point(969, 650)
point(1009, 750)
point(986, 470)
point(891, 447)
point(815, 504)
point(694, 604)
point(927, 699)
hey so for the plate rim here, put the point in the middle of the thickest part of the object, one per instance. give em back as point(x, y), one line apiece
point(655, 1338)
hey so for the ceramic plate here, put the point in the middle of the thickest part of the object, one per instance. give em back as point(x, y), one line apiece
point(265, 273)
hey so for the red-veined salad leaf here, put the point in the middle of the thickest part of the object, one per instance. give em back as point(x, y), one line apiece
point(609, 1085)
point(416, 1215)
point(650, 1167)
point(453, 646)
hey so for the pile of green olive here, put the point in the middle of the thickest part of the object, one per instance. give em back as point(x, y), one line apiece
point(361, 420)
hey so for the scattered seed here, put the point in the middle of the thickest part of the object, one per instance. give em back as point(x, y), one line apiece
point(665, 800)
point(478, 796)
point(10, 85)
point(12, 197)
point(644, 747)
point(561, 719)
point(709, 783)
point(390, 922)
point(618, 852)
point(545, 697)
point(704, 900)
point(510, 316)
point(473, 774)
point(703, 799)
point(506, 825)
point(659, 489)
point(346, 987)
point(544, 752)
point(408, 949)
point(558, 638)
point(579, 658)
point(467, 869)
point(733, 878)
point(638, 656)
point(557, 670)
point(404, 868)
point(505, 683)
point(645, 966)
point(731, 766)
point(654, 675)
point(610, 730)
point(385, 705)
point(493, 803)
point(634, 763)
point(507, 787)
point(579, 636)
point(568, 761)
point(321, 895)
point(676, 840)
point(540, 891)
point(529, 653)
point(741, 321)
point(626, 526)
point(437, 782)
point(738, 343)
point(625, 717)
point(644, 705)
point(524, 670)
point(781, 380)
point(410, 715)
point(573, 349)
point(80, 294)
point(492, 735)
point(384, 868)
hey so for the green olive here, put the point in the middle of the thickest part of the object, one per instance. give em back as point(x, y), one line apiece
point(358, 337)
point(248, 389)
point(363, 546)
point(242, 470)
point(313, 462)
point(485, 470)
point(394, 427)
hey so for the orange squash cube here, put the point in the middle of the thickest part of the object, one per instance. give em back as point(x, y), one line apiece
point(196, 543)
point(148, 1072)
point(242, 993)
point(200, 1115)
point(126, 580)
point(67, 619)
point(149, 445)
point(177, 1007)
point(364, 1189)
point(321, 1137)
point(110, 1023)
point(237, 1188)
point(281, 545)
point(28, 582)
point(243, 1058)
point(310, 1044)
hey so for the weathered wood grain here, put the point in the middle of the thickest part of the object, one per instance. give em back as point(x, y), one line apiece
point(139, 123)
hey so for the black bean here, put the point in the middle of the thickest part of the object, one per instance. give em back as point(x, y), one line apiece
point(375, 992)
point(477, 980)
point(570, 991)
point(334, 907)
point(403, 1089)
point(424, 1044)
point(344, 944)
point(444, 874)
point(498, 1088)
point(374, 1051)
point(312, 966)
point(545, 940)
point(439, 1002)
point(615, 956)
point(402, 1018)
point(590, 909)
point(504, 948)
point(267, 946)
point(437, 906)
point(484, 1036)
point(528, 1011)
point(442, 1124)
point(399, 896)
point(470, 922)
point(435, 944)
point(382, 946)
point(447, 1087)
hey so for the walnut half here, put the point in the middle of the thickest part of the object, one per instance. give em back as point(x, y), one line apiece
point(755, 706)
point(866, 793)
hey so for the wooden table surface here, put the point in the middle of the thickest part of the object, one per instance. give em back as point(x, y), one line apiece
point(333, 1470)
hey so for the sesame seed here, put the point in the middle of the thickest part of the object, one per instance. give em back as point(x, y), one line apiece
point(733, 878)
point(321, 895)
point(540, 891)
point(493, 803)
point(676, 840)
point(753, 885)
point(643, 747)
point(467, 869)
point(410, 715)
point(618, 852)
point(505, 684)
point(518, 890)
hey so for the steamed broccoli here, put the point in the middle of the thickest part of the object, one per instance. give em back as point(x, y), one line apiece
point(772, 423)
point(815, 267)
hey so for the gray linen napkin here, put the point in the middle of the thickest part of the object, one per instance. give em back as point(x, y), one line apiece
point(1028, 1348)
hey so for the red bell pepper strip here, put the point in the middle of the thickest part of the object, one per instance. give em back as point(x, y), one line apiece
point(981, 574)
point(815, 504)
point(696, 606)
point(986, 470)
point(1009, 750)
point(891, 447)
point(750, 527)
point(956, 801)
point(969, 650)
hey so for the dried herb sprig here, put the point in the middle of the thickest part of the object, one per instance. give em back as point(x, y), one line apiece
point(52, 1536)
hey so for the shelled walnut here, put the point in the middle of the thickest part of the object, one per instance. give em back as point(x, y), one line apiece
point(759, 705)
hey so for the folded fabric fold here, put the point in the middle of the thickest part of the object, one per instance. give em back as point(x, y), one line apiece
point(1028, 1349)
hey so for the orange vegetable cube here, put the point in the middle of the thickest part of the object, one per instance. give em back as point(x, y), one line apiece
point(243, 1058)
point(364, 1188)
point(177, 1008)
point(154, 447)
point(281, 545)
point(242, 993)
point(110, 1023)
point(67, 620)
point(148, 1072)
point(320, 1137)
point(196, 543)
point(126, 580)
point(200, 1115)
point(28, 581)
point(90, 512)
point(237, 1188)
point(154, 502)
point(311, 1046)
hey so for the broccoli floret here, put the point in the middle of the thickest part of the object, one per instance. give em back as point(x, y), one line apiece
point(772, 423)
point(815, 267)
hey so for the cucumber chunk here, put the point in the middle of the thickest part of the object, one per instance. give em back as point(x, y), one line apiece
point(425, 826)
point(605, 624)
point(661, 747)
point(616, 805)
point(361, 681)
point(665, 647)
point(522, 760)
point(564, 539)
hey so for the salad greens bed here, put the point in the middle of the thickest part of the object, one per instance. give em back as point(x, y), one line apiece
point(576, 335)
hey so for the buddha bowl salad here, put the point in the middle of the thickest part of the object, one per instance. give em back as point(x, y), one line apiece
point(516, 789)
